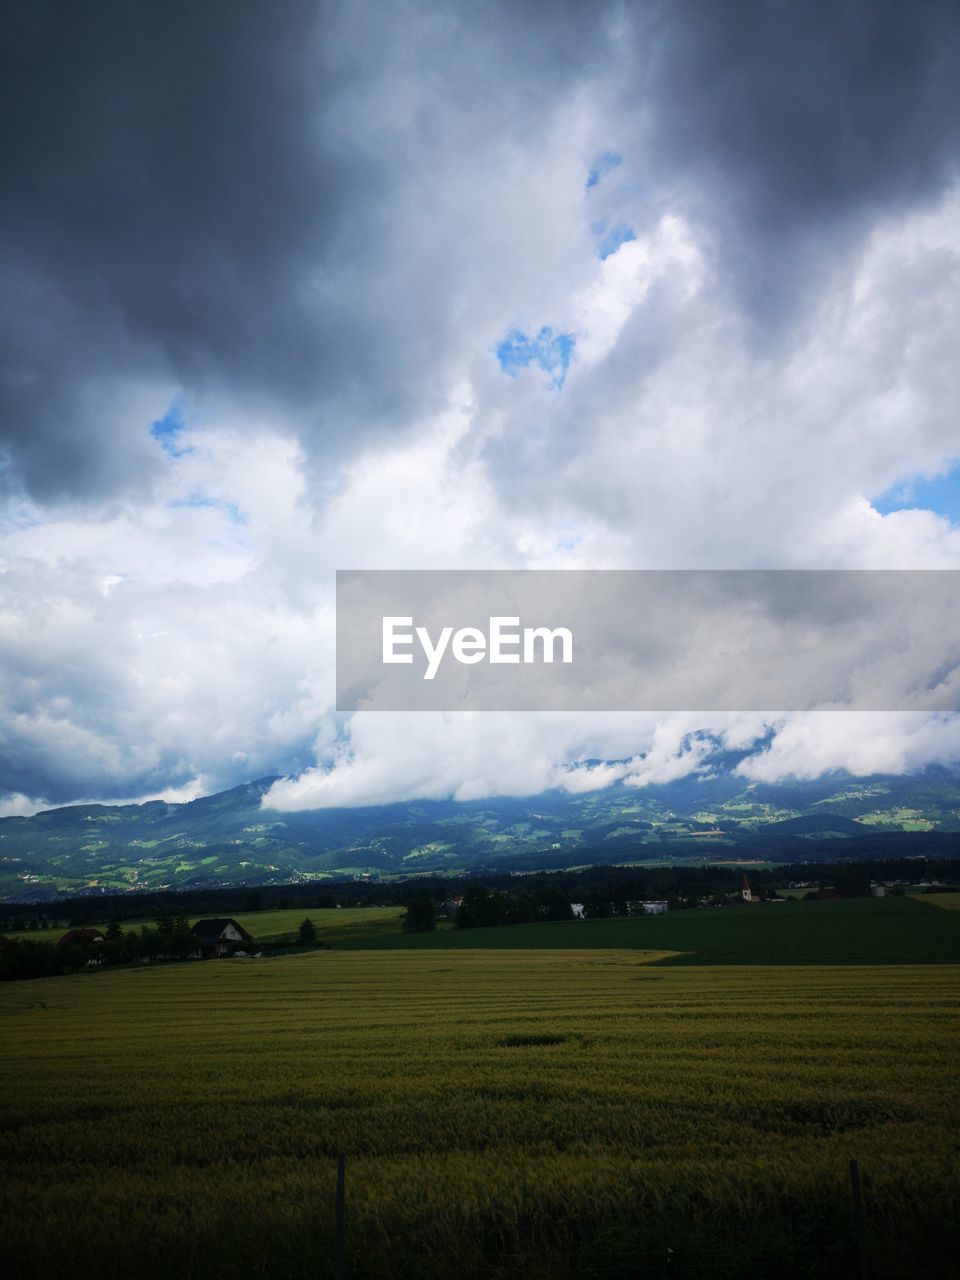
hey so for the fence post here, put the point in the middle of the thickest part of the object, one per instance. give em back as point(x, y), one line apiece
point(338, 1236)
point(859, 1224)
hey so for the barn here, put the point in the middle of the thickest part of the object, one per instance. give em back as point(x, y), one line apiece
point(218, 937)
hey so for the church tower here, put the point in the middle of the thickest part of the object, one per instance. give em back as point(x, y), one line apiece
point(745, 892)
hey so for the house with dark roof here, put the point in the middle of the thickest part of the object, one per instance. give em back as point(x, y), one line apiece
point(83, 938)
point(218, 937)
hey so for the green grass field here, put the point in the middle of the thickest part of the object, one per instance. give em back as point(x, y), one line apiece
point(846, 931)
point(951, 901)
point(564, 1114)
point(331, 922)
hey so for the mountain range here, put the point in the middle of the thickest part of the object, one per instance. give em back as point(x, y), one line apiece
point(229, 839)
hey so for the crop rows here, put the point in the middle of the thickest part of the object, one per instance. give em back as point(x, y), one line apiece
point(563, 1114)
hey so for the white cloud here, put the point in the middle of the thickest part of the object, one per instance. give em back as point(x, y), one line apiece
point(186, 641)
point(858, 742)
point(14, 804)
point(208, 640)
point(710, 452)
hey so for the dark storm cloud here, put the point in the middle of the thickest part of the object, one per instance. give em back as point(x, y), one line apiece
point(187, 201)
point(151, 204)
point(788, 126)
point(247, 201)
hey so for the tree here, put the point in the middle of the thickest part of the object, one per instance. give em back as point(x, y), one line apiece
point(180, 941)
point(522, 910)
point(307, 931)
point(131, 944)
point(553, 905)
point(73, 957)
point(480, 907)
point(597, 907)
point(150, 943)
point(421, 915)
point(853, 882)
point(113, 930)
point(475, 907)
point(25, 958)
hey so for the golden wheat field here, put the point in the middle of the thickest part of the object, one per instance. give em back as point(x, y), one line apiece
point(526, 1113)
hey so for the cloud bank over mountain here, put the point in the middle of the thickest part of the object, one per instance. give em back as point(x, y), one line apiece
point(295, 288)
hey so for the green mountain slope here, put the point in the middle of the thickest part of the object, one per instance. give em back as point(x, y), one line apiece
point(229, 838)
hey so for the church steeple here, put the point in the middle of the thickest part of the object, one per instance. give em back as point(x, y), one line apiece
point(745, 892)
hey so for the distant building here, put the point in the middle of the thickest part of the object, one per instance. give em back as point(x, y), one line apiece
point(83, 938)
point(577, 910)
point(653, 908)
point(216, 937)
point(827, 894)
point(877, 891)
point(746, 893)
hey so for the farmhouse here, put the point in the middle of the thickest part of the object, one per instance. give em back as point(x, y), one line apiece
point(83, 937)
point(216, 937)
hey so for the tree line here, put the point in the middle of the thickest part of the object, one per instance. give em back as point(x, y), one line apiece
point(169, 939)
point(594, 886)
point(480, 906)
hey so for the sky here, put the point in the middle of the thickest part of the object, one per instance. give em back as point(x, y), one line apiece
point(295, 288)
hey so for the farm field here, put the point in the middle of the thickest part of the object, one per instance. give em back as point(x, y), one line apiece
point(951, 901)
point(339, 922)
point(573, 1114)
point(903, 930)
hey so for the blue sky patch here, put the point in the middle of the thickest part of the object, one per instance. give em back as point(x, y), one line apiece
point(167, 428)
point(610, 238)
point(940, 494)
point(200, 498)
point(602, 165)
point(551, 351)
